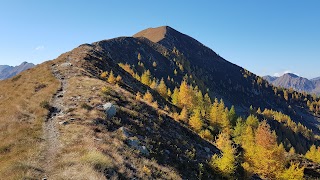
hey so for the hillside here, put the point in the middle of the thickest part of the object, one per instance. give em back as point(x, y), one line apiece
point(174, 120)
point(298, 83)
point(10, 71)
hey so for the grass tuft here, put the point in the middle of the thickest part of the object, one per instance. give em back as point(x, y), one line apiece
point(98, 160)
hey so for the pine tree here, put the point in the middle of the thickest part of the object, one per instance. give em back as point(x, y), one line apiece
point(195, 120)
point(207, 105)
point(148, 97)
point(111, 78)
point(162, 88)
point(232, 116)
point(200, 102)
point(238, 131)
point(146, 78)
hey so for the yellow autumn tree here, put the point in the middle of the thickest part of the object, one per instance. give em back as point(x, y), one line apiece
point(248, 144)
point(195, 120)
point(214, 113)
point(162, 88)
point(313, 154)
point(153, 84)
point(103, 75)
point(148, 97)
point(111, 78)
point(269, 158)
point(175, 96)
point(118, 79)
point(206, 134)
point(138, 96)
point(184, 115)
point(146, 78)
point(225, 122)
point(169, 93)
point(184, 95)
point(294, 172)
point(226, 163)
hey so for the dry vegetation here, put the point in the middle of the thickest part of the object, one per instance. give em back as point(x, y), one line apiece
point(21, 120)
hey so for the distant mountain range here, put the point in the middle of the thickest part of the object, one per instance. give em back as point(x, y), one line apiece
point(10, 71)
point(298, 83)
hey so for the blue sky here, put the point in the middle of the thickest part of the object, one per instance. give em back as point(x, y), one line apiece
point(265, 37)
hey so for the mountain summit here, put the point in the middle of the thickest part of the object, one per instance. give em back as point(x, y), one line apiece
point(155, 34)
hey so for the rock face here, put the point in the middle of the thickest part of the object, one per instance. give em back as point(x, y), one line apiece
point(110, 110)
point(10, 71)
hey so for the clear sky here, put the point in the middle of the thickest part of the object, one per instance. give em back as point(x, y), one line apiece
point(265, 37)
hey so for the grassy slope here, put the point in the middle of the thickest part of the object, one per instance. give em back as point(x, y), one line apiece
point(21, 121)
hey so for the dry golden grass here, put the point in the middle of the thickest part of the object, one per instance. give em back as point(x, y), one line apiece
point(21, 121)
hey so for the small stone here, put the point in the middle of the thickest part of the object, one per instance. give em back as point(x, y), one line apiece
point(144, 150)
point(63, 122)
point(207, 149)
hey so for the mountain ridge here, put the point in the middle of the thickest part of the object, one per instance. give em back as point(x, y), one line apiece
point(290, 80)
point(10, 71)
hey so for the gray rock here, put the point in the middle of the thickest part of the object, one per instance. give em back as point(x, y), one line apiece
point(144, 150)
point(66, 64)
point(110, 110)
point(136, 144)
point(167, 151)
point(207, 149)
point(124, 132)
